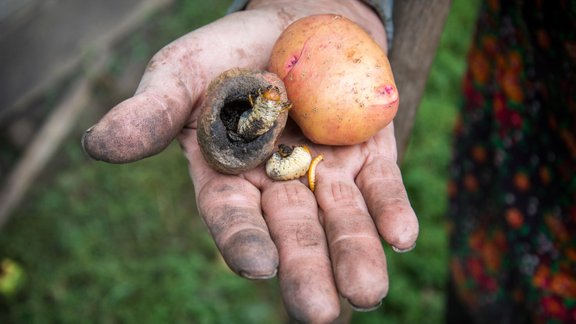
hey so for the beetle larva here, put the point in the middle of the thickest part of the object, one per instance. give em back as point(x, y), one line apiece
point(264, 112)
point(312, 171)
point(288, 162)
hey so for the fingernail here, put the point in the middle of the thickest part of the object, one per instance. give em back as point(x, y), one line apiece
point(365, 309)
point(251, 276)
point(404, 250)
point(83, 140)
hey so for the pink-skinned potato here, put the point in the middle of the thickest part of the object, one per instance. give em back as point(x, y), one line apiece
point(337, 77)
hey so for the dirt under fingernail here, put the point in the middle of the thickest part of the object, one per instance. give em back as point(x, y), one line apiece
point(398, 250)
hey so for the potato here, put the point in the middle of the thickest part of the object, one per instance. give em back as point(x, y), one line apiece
point(337, 77)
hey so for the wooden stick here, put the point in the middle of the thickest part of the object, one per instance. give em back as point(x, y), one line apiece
point(42, 148)
point(418, 25)
point(58, 125)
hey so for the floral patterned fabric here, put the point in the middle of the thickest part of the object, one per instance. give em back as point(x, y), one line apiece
point(512, 216)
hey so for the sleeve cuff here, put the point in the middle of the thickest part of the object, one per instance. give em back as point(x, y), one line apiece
point(237, 5)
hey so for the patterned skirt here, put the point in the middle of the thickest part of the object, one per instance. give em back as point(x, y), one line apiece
point(512, 214)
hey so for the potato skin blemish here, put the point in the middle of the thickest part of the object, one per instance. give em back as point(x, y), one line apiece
point(387, 89)
point(292, 62)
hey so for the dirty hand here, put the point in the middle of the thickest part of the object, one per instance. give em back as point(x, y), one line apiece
point(322, 244)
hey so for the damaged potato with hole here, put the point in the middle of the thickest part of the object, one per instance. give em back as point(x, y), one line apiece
point(242, 116)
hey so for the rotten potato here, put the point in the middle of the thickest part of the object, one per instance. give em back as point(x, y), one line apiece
point(242, 116)
point(338, 79)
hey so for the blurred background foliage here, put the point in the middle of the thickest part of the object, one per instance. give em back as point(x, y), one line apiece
point(102, 243)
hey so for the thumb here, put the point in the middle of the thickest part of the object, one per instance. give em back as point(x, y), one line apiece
point(138, 127)
point(174, 82)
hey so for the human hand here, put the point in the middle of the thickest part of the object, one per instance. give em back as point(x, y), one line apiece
point(324, 243)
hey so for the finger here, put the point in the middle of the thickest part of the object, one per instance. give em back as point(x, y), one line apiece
point(145, 124)
point(355, 249)
point(173, 83)
point(305, 273)
point(140, 126)
point(380, 182)
point(230, 207)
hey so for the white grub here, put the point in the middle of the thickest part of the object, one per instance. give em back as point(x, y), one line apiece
point(264, 112)
point(289, 162)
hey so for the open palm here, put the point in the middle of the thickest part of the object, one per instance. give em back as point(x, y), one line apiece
point(322, 244)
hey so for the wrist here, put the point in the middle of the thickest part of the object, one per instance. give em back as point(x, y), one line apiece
point(288, 11)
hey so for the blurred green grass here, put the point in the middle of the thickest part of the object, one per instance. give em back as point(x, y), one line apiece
point(123, 243)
